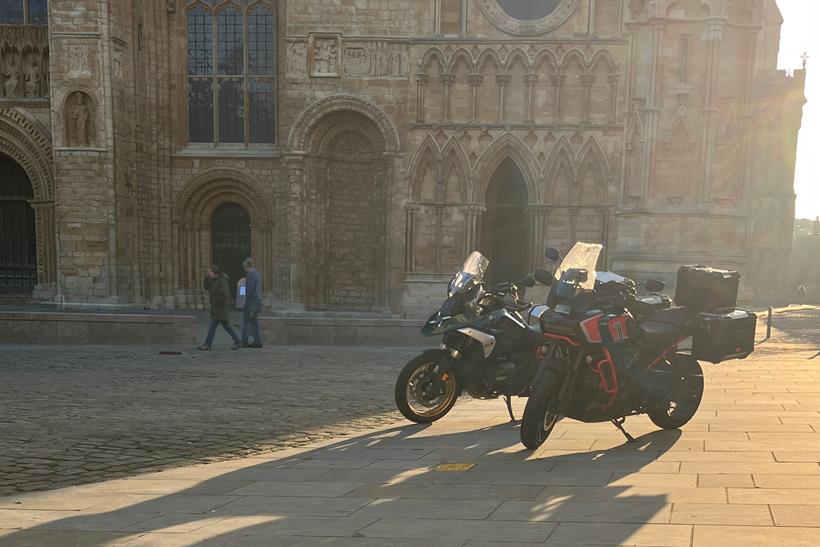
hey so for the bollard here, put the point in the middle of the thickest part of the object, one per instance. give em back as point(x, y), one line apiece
point(769, 324)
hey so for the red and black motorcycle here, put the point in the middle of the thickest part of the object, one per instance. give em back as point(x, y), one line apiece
point(615, 354)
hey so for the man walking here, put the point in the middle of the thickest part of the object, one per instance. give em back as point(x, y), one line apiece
point(253, 305)
point(217, 286)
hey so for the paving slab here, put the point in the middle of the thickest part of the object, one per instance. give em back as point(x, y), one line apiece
point(743, 473)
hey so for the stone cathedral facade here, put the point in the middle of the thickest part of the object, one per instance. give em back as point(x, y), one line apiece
point(360, 149)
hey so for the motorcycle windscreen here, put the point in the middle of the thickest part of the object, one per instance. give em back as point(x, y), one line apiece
point(582, 256)
point(471, 273)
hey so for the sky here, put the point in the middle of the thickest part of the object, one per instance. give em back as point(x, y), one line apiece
point(800, 33)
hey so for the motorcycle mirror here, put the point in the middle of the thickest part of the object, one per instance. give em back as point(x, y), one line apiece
point(583, 276)
point(543, 277)
point(526, 282)
point(653, 285)
point(553, 254)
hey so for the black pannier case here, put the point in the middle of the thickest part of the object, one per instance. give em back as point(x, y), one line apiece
point(723, 336)
point(706, 289)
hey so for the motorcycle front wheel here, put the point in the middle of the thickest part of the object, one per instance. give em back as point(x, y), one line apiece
point(424, 392)
point(540, 414)
point(682, 400)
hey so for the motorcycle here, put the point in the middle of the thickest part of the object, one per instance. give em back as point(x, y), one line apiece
point(615, 354)
point(488, 349)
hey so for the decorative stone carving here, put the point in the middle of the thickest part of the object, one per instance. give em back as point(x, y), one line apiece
point(78, 63)
point(375, 59)
point(23, 62)
point(79, 120)
point(297, 60)
point(550, 22)
point(325, 55)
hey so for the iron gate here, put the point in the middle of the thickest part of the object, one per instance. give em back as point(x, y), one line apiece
point(18, 239)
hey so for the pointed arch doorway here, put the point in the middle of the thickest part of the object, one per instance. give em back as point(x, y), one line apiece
point(505, 230)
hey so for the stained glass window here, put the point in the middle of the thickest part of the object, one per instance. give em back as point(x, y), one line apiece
point(12, 12)
point(231, 71)
point(23, 12)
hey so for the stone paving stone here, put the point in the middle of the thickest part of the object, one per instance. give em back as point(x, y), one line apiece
point(265, 529)
point(61, 538)
point(635, 494)
point(787, 481)
point(752, 468)
point(793, 496)
point(299, 489)
point(725, 480)
point(571, 511)
point(434, 530)
point(303, 506)
point(62, 520)
point(649, 535)
point(796, 515)
point(754, 536)
point(430, 509)
point(721, 513)
point(425, 492)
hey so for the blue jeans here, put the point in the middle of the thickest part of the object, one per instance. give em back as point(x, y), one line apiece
point(250, 321)
point(212, 331)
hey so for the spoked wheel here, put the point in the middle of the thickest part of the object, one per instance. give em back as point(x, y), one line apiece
point(425, 392)
point(540, 414)
point(683, 396)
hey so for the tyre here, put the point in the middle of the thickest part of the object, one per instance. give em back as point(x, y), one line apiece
point(682, 399)
point(540, 414)
point(424, 392)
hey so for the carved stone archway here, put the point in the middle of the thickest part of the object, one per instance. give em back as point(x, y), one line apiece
point(344, 153)
point(193, 213)
point(27, 142)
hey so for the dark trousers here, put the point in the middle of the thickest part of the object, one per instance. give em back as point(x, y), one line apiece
point(250, 321)
point(212, 331)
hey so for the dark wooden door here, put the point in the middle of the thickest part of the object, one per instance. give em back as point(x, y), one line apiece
point(506, 229)
point(231, 241)
point(18, 236)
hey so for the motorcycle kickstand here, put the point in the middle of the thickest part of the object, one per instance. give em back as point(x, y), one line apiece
point(509, 408)
point(619, 424)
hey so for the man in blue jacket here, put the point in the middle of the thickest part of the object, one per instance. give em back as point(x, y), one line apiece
point(253, 305)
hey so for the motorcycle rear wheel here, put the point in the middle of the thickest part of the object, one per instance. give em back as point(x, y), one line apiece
point(539, 415)
point(682, 402)
point(424, 393)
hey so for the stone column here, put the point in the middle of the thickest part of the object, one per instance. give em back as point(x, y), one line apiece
point(502, 80)
point(652, 112)
point(475, 81)
point(446, 87)
point(472, 232)
point(410, 212)
point(558, 84)
point(395, 249)
point(530, 80)
point(586, 82)
point(296, 229)
point(46, 247)
point(536, 214)
point(714, 34)
point(421, 83)
point(613, 98)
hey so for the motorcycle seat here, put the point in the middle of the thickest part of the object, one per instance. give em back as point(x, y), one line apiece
point(663, 327)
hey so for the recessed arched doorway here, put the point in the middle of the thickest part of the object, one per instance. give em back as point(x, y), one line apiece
point(506, 234)
point(231, 240)
point(18, 234)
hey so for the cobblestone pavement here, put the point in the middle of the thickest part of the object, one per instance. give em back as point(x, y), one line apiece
point(73, 415)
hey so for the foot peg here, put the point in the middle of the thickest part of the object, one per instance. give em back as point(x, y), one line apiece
point(619, 424)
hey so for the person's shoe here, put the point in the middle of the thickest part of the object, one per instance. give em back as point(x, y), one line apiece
point(236, 346)
point(204, 347)
point(255, 345)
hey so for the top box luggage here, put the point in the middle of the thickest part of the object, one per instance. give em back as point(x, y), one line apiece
point(706, 289)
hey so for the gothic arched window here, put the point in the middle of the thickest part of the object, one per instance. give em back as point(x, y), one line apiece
point(23, 12)
point(231, 71)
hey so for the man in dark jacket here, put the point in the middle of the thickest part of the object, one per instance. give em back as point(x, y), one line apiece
point(253, 305)
point(216, 283)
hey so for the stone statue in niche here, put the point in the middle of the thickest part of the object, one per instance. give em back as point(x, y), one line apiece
point(11, 74)
point(79, 120)
point(33, 80)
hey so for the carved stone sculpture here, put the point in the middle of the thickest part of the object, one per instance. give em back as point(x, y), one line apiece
point(79, 120)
